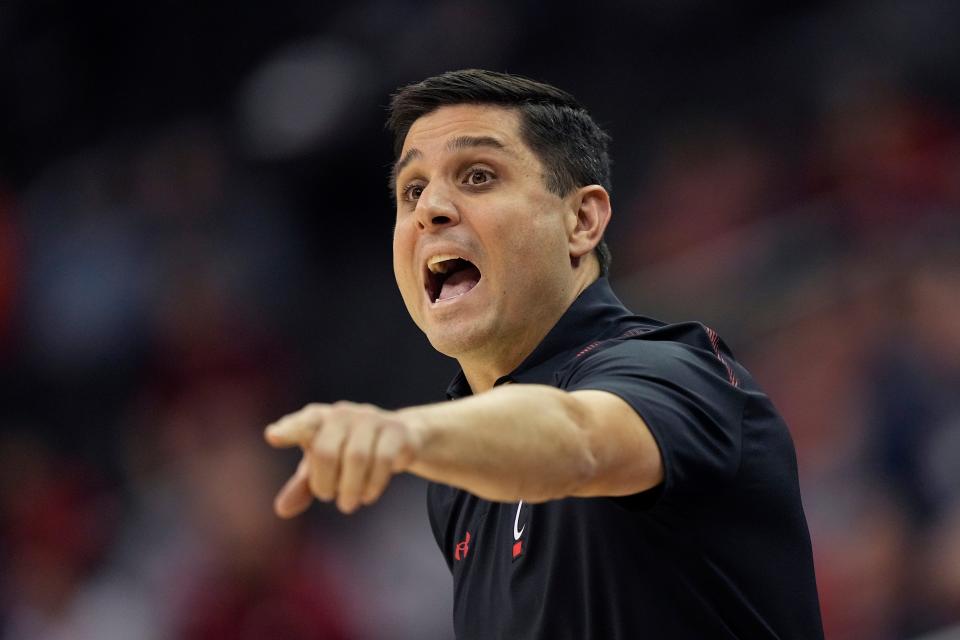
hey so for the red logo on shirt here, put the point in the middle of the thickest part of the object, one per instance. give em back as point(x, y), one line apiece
point(460, 551)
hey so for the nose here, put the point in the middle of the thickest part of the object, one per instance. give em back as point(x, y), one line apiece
point(435, 209)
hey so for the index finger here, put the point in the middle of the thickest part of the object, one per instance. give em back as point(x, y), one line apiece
point(296, 428)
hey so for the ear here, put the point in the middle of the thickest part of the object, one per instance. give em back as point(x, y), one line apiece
point(588, 219)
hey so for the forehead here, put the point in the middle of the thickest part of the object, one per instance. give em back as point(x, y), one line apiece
point(448, 122)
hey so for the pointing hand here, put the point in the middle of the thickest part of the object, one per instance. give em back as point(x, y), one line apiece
point(350, 453)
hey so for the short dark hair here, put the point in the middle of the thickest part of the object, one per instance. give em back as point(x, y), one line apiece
point(571, 146)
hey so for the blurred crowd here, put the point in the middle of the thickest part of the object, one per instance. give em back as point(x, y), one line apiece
point(845, 304)
point(172, 282)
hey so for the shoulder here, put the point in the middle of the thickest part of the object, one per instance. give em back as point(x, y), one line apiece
point(685, 352)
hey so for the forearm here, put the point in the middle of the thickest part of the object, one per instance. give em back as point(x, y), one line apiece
point(513, 442)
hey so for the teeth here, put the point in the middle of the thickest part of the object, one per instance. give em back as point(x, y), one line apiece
point(436, 263)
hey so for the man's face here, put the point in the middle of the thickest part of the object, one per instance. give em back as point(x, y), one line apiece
point(469, 188)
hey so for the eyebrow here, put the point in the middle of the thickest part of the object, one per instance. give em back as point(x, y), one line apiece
point(467, 142)
point(456, 144)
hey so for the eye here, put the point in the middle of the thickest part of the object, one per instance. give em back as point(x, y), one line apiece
point(477, 176)
point(412, 192)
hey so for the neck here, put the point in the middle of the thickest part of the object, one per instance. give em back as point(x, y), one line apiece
point(482, 372)
point(484, 367)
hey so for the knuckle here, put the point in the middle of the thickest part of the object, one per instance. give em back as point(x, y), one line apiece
point(388, 438)
point(395, 428)
point(355, 456)
point(322, 454)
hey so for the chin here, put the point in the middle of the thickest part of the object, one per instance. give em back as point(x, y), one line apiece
point(455, 342)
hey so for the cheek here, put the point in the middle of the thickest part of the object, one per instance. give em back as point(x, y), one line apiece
point(527, 258)
point(534, 240)
point(402, 257)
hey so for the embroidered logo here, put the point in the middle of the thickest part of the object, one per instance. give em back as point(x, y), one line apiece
point(517, 542)
point(460, 551)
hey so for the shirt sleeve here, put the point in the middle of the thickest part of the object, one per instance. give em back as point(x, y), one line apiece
point(685, 397)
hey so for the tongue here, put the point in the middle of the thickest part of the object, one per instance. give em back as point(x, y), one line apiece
point(459, 282)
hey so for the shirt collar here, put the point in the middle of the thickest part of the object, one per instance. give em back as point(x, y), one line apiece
point(596, 314)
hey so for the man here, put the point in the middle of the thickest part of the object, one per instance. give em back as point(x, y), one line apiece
point(597, 474)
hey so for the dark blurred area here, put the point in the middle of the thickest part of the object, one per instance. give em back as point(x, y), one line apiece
point(195, 239)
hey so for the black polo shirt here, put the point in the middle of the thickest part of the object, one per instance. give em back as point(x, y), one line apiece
point(720, 549)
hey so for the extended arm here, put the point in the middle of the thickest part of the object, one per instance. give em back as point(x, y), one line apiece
point(536, 443)
point(529, 442)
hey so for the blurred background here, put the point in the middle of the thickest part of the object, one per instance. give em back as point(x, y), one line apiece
point(195, 239)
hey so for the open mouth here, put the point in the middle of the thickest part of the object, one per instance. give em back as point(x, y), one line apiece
point(450, 276)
